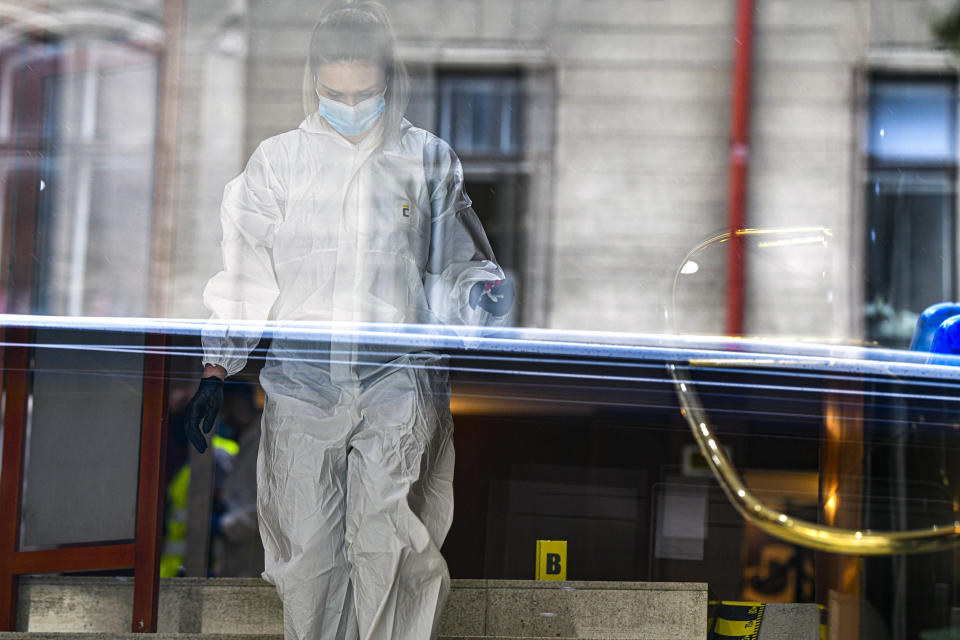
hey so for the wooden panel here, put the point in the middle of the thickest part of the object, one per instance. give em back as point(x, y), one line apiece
point(22, 184)
point(11, 473)
point(144, 555)
point(153, 446)
point(74, 559)
point(165, 176)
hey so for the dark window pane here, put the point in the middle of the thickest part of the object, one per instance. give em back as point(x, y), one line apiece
point(910, 249)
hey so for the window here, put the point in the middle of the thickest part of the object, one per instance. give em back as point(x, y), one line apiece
point(82, 181)
point(481, 113)
point(599, 150)
point(912, 150)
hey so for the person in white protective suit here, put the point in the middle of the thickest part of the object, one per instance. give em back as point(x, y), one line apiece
point(355, 216)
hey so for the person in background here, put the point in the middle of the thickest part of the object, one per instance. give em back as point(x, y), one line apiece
point(238, 549)
point(176, 520)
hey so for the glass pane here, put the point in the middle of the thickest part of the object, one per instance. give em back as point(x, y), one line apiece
point(910, 240)
point(481, 114)
point(680, 347)
point(83, 441)
point(97, 216)
point(913, 121)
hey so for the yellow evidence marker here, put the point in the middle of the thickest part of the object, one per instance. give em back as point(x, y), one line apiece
point(551, 559)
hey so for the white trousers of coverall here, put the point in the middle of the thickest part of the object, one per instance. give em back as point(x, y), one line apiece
point(355, 500)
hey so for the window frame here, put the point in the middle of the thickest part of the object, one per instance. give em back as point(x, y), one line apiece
point(871, 163)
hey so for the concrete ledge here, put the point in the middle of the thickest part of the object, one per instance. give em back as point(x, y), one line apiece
point(132, 636)
point(18, 635)
point(593, 610)
point(187, 605)
point(195, 636)
point(476, 609)
point(782, 621)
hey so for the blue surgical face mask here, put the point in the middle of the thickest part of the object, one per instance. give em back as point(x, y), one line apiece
point(351, 121)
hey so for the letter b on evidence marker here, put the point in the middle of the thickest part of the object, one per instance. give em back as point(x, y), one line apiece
point(551, 559)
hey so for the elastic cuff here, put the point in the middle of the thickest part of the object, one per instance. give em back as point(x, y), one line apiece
point(213, 363)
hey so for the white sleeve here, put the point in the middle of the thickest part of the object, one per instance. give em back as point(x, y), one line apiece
point(460, 254)
point(246, 288)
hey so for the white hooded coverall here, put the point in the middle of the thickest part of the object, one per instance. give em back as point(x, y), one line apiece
point(355, 466)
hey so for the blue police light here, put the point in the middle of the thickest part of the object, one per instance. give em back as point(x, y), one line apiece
point(929, 322)
point(946, 342)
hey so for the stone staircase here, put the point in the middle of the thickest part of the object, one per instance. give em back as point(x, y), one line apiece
point(85, 608)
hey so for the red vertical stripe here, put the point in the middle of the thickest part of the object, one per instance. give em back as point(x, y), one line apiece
point(16, 380)
point(153, 448)
point(739, 165)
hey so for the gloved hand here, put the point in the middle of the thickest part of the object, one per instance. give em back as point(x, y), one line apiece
point(493, 296)
point(203, 408)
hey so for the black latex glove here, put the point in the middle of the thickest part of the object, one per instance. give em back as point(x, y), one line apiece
point(203, 409)
point(493, 296)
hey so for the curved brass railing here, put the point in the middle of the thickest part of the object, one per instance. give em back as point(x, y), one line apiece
point(772, 521)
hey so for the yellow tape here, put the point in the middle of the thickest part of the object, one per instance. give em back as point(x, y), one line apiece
point(738, 620)
point(737, 628)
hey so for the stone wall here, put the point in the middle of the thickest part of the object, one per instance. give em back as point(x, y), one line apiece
point(630, 166)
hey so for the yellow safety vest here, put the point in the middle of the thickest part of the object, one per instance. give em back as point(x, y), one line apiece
point(178, 491)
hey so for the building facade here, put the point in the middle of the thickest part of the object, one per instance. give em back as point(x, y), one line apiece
point(595, 137)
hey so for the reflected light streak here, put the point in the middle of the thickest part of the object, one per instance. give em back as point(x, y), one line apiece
point(823, 231)
point(689, 268)
point(833, 421)
point(825, 359)
point(763, 244)
point(830, 507)
point(772, 521)
point(510, 365)
point(808, 235)
point(726, 365)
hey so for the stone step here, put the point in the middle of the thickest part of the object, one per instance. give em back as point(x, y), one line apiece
point(66, 635)
point(23, 635)
point(484, 609)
